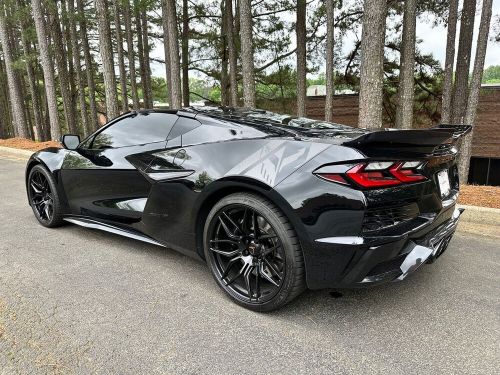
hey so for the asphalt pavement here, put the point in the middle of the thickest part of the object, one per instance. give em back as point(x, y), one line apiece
point(81, 301)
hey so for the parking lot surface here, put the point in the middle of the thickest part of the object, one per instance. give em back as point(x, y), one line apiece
point(80, 301)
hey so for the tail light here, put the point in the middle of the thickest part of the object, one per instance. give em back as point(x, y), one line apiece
point(372, 177)
point(374, 174)
point(406, 173)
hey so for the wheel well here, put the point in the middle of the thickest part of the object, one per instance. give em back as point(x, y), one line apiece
point(30, 166)
point(210, 202)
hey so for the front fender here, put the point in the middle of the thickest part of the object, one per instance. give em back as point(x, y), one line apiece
point(52, 159)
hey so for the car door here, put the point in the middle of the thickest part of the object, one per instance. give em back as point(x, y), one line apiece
point(100, 181)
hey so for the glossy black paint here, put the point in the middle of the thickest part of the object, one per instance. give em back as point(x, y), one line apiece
point(165, 189)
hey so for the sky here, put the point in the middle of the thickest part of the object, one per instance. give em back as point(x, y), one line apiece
point(433, 41)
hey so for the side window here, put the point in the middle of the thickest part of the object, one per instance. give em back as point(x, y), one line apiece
point(136, 130)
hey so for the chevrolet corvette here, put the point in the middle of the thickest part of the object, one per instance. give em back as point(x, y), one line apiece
point(273, 204)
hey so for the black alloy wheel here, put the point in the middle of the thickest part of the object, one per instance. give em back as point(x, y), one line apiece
point(253, 252)
point(43, 197)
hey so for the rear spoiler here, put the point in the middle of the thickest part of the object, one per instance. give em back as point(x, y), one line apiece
point(409, 143)
point(458, 130)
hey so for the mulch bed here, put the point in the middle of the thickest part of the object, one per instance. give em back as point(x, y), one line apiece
point(474, 195)
point(483, 196)
point(27, 144)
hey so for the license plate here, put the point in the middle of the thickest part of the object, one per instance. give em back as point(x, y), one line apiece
point(444, 183)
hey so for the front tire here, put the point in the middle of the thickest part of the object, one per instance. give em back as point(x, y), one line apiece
point(43, 197)
point(253, 252)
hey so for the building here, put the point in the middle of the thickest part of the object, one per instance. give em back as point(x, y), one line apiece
point(485, 160)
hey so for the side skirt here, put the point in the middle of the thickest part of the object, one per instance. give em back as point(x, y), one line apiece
point(93, 224)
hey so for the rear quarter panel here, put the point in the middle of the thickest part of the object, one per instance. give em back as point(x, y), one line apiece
point(174, 207)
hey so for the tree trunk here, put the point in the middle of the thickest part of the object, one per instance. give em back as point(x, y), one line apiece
point(94, 121)
point(68, 57)
point(330, 39)
point(15, 95)
point(475, 87)
point(120, 55)
point(173, 40)
point(140, 52)
point(185, 53)
point(41, 98)
point(78, 67)
point(372, 64)
point(6, 120)
point(4, 124)
point(449, 63)
point(406, 91)
point(62, 68)
point(106, 50)
point(460, 94)
point(166, 47)
point(147, 66)
point(247, 64)
point(47, 66)
point(233, 56)
point(18, 78)
point(20, 81)
point(32, 85)
point(224, 76)
point(131, 54)
point(30, 71)
point(301, 58)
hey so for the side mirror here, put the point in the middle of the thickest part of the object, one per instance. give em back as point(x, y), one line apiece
point(70, 141)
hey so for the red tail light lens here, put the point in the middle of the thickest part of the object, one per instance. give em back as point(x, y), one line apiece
point(405, 174)
point(371, 179)
point(373, 174)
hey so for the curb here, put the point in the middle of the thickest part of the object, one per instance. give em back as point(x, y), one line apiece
point(480, 215)
point(16, 152)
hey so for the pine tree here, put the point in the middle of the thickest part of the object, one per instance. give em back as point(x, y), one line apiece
point(89, 69)
point(78, 67)
point(247, 57)
point(173, 41)
point(475, 86)
point(106, 50)
point(372, 64)
point(330, 66)
point(233, 54)
point(131, 54)
point(449, 62)
point(15, 94)
point(185, 53)
point(48, 69)
point(301, 57)
point(461, 91)
point(62, 68)
point(120, 55)
point(406, 92)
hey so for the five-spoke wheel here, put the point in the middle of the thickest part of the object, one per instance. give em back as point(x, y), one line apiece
point(43, 197)
point(253, 252)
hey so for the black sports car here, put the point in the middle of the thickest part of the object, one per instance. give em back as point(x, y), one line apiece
point(273, 204)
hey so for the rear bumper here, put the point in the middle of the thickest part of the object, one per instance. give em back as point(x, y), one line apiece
point(346, 262)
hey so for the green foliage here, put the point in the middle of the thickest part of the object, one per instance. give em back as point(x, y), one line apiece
point(159, 88)
point(492, 74)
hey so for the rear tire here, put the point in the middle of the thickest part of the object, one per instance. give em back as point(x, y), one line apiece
point(253, 252)
point(43, 197)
